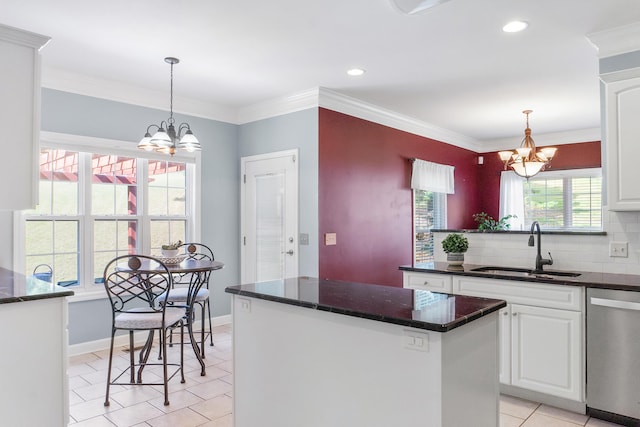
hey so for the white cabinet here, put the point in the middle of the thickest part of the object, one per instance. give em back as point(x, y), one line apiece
point(622, 109)
point(546, 350)
point(540, 332)
point(20, 115)
point(427, 281)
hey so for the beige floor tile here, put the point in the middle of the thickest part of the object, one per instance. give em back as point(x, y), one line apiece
point(94, 422)
point(135, 395)
point(77, 382)
point(178, 400)
point(540, 420)
point(509, 421)
point(210, 389)
point(594, 422)
point(181, 418)
point(93, 408)
point(226, 421)
point(82, 358)
point(516, 407)
point(74, 398)
point(95, 391)
point(215, 408)
point(133, 415)
point(573, 417)
point(75, 370)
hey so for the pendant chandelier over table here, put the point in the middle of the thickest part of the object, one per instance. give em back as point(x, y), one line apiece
point(166, 139)
point(525, 160)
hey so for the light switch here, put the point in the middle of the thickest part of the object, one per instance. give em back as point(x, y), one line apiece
point(245, 305)
point(414, 340)
point(330, 239)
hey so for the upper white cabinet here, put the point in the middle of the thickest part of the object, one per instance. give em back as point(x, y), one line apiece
point(20, 115)
point(622, 109)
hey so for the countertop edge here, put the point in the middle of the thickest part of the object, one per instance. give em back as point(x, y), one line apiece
point(417, 324)
point(25, 298)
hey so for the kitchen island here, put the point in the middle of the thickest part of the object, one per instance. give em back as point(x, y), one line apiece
point(34, 358)
point(326, 353)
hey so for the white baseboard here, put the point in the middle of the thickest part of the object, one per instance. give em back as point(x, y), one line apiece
point(138, 337)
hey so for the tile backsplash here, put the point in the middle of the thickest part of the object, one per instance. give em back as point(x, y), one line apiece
point(569, 252)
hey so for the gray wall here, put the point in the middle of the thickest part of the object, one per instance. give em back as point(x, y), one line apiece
point(295, 130)
point(82, 115)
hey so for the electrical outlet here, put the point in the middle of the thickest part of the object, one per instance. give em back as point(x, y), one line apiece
point(415, 340)
point(619, 249)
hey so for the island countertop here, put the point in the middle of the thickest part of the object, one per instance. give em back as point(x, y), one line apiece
point(408, 307)
point(16, 287)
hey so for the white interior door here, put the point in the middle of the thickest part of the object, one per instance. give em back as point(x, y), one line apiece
point(269, 210)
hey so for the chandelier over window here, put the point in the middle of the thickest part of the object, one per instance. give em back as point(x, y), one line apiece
point(526, 161)
point(166, 139)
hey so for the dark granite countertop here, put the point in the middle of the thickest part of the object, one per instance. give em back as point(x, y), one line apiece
point(15, 287)
point(408, 307)
point(625, 282)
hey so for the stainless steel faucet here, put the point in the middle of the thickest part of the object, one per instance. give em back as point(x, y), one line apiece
point(540, 262)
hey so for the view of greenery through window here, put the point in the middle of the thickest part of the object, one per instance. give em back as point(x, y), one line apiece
point(564, 202)
point(93, 201)
point(428, 213)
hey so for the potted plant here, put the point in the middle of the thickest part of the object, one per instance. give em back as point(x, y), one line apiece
point(171, 250)
point(486, 221)
point(455, 245)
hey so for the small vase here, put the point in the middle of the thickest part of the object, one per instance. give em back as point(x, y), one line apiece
point(169, 253)
point(455, 258)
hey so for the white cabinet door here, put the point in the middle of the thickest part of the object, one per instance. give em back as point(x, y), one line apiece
point(622, 108)
point(427, 282)
point(20, 115)
point(504, 338)
point(544, 350)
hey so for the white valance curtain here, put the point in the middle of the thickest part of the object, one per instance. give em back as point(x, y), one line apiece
point(430, 176)
point(512, 198)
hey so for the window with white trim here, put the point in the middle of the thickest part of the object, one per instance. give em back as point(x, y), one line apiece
point(559, 200)
point(94, 206)
point(429, 212)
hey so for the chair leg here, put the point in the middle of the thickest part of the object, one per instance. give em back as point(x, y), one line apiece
point(164, 369)
point(202, 330)
point(132, 361)
point(182, 352)
point(106, 399)
point(209, 317)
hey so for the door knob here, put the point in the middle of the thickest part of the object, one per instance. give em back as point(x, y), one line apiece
point(289, 252)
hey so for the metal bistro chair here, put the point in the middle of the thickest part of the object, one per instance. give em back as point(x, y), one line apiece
point(178, 296)
point(135, 285)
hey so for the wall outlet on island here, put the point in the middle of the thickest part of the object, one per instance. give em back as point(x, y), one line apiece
point(619, 249)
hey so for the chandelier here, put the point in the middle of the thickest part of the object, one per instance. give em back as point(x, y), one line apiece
point(166, 139)
point(526, 161)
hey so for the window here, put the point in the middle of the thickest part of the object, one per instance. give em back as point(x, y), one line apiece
point(94, 206)
point(429, 212)
point(566, 200)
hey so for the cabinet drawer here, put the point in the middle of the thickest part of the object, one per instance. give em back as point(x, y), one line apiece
point(517, 292)
point(427, 282)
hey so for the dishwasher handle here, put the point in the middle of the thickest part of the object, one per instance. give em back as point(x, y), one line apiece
point(614, 303)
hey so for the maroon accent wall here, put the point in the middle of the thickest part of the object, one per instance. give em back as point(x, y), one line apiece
point(569, 156)
point(364, 196)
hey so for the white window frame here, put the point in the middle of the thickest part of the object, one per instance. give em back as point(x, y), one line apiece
point(570, 173)
point(86, 288)
point(440, 200)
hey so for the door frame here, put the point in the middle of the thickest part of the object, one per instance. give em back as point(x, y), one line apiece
point(268, 156)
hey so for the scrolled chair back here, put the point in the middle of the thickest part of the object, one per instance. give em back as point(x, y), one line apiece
point(197, 251)
point(132, 281)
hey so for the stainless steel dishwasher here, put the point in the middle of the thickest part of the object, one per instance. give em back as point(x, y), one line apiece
point(613, 351)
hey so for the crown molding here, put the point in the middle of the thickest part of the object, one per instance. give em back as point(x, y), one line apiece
point(354, 107)
point(616, 41)
point(54, 78)
point(544, 139)
point(25, 38)
point(278, 106)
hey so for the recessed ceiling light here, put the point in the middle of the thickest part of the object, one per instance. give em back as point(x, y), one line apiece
point(515, 26)
point(355, 72)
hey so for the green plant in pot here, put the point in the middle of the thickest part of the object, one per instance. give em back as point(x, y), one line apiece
point(455, 245)
point(171, 250)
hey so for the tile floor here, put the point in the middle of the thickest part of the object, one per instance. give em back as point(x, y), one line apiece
point(207, 401)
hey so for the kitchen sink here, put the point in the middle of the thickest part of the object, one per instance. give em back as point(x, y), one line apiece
point(524, 271)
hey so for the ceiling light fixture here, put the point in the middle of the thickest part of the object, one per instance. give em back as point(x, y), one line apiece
point(166, 139)
point(355, 72)
point(525, 161)
point(515, 26)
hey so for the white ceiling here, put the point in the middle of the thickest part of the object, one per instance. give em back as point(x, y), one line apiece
point(450, 66)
